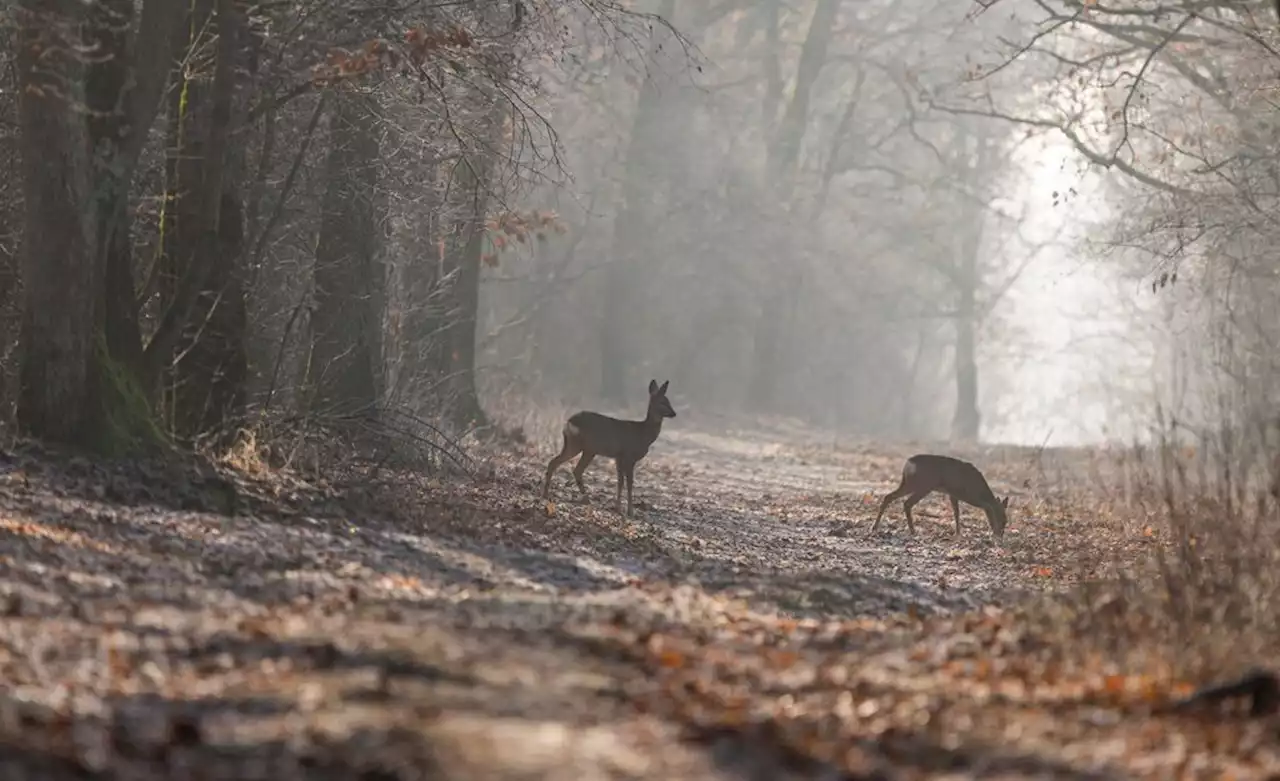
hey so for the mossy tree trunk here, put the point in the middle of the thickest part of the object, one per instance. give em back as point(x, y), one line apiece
point(124, 85)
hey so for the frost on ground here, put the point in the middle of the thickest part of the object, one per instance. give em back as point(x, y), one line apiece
point(172, 621)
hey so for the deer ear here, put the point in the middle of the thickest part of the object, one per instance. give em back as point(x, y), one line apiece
point(663, 388)
point(653, 387)
point(1005, 502)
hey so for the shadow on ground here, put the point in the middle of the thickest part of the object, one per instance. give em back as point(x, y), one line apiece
point(890, 756)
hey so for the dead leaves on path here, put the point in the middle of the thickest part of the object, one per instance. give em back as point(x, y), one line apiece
point(918, 696)
point(923, 696)
point(908, 695)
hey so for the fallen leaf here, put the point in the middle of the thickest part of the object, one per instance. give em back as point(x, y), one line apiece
point(671, 659)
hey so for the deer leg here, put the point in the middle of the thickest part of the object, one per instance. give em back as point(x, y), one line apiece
point(567, 452)
point(896, 493)
point(912, 501)
point(631, 482)
point(955, 510)
point(617, 501)
point(581, 467)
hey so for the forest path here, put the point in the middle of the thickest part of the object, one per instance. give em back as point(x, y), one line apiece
point(785, 526)
point(407, 626)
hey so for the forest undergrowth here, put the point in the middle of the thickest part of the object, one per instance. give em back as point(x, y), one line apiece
point(218, 622)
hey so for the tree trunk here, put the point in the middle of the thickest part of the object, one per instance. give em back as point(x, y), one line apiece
point(197, 275)
point(784, 152)
point(967, 422)
point(213, 372)
point(774, 327)
point(978, 160)
point(346, 323)
point(214, 369)
point(614, 355)
point(61, 311)
point(268, 278)
point(772, 64)
point(464, 269)
point(464, 262)
point(422, 324)
point(630, 231)
point(908, 416)
point(762, 392)
point(110, 23)
point(124, 84)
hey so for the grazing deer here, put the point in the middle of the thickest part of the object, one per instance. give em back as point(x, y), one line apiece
point(960, 480)
point(625, 441)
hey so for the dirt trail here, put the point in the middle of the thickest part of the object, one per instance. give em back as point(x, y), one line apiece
point(772, 508)
point(428, 628)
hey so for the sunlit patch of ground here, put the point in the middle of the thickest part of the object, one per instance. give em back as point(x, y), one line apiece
point(464, 628)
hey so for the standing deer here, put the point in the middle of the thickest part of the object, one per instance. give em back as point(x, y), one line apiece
point(625, 441)
point(963, 482)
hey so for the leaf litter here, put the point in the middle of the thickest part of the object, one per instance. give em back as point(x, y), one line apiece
point(182, 619)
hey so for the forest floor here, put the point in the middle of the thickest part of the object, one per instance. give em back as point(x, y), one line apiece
point(171, 620)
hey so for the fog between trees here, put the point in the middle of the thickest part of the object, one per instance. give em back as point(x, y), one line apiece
point(914, 219)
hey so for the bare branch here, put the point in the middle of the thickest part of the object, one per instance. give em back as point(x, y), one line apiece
point(1092, 155)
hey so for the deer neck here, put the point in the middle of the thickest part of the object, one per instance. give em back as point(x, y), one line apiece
point(653, 424)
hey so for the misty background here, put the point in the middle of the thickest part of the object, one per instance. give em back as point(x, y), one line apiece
point(1018, 221)
point(842, 215)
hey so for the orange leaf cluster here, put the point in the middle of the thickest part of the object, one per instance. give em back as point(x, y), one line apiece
point(420, 42)
point(341, 64)
point(515, 226)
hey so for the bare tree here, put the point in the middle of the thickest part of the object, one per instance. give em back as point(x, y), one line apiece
point(61, 308)
point(197, 271)
point(346, 324)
